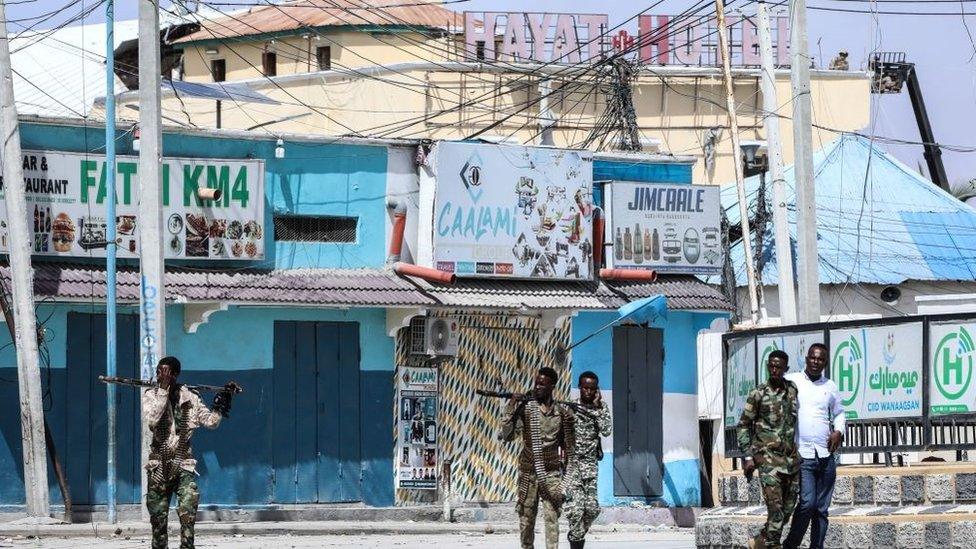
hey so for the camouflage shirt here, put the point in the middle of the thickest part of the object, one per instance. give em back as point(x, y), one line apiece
point(172, 428)
point(767, 428)
point(588, 433)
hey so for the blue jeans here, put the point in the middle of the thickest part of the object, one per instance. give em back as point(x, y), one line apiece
point(817, 477)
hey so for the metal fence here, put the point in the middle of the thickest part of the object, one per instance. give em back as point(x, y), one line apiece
point(943, 357)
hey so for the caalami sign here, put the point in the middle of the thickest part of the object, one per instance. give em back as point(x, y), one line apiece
point(531, 37)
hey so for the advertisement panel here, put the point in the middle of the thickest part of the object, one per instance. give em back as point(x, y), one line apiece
point(510, 211)
point(878, 370)
point(665, 227)
point(740, 377)
point(417, 453)
point(951, 352)
point(66, 205)
point(795, 345)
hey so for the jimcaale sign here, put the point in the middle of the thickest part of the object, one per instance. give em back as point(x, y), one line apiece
point(577, 37)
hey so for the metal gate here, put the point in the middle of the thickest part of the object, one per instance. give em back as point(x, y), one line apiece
point(638, 358)
point(316, 437)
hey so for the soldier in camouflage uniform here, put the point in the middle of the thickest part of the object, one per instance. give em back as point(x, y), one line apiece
point(767, 435)
point(582, 506)
point(172, 412)
point(548, 456)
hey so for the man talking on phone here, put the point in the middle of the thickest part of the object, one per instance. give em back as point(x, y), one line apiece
point(582, 505)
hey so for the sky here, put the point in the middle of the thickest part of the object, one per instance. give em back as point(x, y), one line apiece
point(942, 47)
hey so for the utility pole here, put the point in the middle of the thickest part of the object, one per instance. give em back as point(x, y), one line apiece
point(781, 228)
point(111, 251)
point(22, 282)
point(152, 315)
point(723, 45)
point(807, 260)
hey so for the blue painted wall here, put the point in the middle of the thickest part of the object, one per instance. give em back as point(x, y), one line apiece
point(312, 179)
point(657, 172)
point(680, 378)
point(234, 461)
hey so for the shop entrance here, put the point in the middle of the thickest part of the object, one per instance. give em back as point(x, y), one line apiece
point(316, 423)
point(638, 357)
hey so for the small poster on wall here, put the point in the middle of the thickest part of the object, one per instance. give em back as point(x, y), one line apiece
point(417, 451)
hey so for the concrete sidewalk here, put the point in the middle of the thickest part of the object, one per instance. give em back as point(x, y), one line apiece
point(23, 529)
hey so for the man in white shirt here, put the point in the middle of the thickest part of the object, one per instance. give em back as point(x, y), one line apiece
point(819, 432)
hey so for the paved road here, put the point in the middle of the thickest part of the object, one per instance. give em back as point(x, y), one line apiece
point(683, 539)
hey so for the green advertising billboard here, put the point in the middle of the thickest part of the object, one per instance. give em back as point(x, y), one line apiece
point(878, 370)
point(740, 377)
point(951, 351)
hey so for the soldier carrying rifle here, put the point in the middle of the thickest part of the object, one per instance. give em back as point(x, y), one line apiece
point(548, 455)
point(173, 412)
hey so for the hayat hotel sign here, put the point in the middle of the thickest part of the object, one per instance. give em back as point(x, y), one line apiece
point(576, 37)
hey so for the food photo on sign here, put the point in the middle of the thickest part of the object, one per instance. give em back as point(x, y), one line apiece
point(67, 207)
point(512, 211)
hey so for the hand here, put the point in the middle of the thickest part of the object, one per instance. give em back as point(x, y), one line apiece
point(598, 399)
point(233, 387)
point(758, 460)
point(748, 468)
point(516, 399)
point(834, 441)
point(164, 378)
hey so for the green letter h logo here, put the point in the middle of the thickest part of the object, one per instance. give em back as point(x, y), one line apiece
point(950, 366)
point(845, 374)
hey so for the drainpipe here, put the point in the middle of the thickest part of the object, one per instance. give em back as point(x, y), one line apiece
point(628, 274)
point(399, 227)
point(598, 226)
point(426, 273)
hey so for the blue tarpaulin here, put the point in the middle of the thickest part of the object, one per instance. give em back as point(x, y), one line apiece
point(878, 221)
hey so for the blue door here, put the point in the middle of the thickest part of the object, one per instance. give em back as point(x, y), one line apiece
point(85, 454)
point(316, 438)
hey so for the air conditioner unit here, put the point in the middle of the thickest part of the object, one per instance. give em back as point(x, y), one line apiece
point(441, 336)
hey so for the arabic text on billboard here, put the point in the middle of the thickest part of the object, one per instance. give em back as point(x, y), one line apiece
point(508, 211)
point(878, 370)
point(664, 227)
point(66, 205)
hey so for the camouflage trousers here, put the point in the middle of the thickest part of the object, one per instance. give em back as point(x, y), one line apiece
point(780, 490)
point(527, 508)
point(158, 496)
point(582, 507)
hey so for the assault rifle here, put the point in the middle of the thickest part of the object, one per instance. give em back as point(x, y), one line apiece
point(575, 406)
point(132, 382)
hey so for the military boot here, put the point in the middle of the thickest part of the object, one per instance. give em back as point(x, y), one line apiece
point(576, 544)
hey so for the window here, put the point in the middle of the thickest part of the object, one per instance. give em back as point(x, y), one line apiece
point(479, 49)
point(324, 56)
point(302, 228)
point(270, 62)
point(218, 68)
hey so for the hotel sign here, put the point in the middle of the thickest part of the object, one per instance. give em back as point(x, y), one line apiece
point(571, 38)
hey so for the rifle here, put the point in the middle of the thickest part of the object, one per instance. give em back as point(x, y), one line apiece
point(575, 406)
point(132, 382)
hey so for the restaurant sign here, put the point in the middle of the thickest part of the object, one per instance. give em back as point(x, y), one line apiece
point(66, 206)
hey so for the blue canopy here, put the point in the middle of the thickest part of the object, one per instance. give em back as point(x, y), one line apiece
point(878, 221)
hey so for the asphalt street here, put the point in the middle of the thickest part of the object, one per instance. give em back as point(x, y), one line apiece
point(676, 539)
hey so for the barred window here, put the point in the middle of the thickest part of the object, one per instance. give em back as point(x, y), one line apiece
point(303, 228)
point(418, 328)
